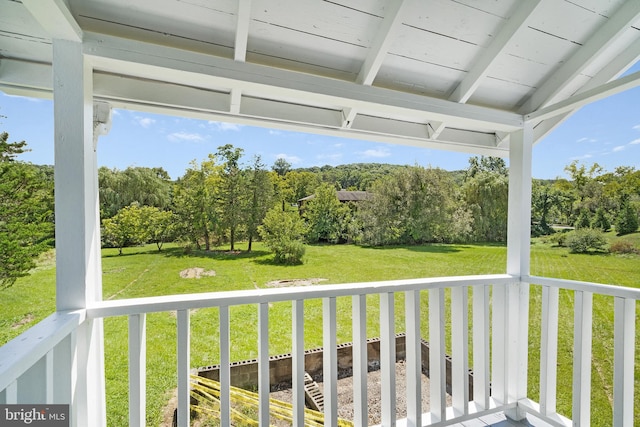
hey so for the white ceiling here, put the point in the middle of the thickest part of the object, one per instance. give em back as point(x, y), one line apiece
point(452, 74)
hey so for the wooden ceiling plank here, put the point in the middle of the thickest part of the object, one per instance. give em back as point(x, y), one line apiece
point(614, 28)
point(56, 19)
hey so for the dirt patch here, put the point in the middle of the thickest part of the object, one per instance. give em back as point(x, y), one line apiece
point(167, 411)
point(196, 273)
point(25, 320)
point(294, 282)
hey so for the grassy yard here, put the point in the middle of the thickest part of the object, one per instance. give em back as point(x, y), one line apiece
point(145, 272)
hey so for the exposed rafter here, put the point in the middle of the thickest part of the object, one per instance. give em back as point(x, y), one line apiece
point(54, 16)
point(481, 66)
point(380, 45)
point(577, 101)
point(611, 31)
point(242, 30)
point(611, 71)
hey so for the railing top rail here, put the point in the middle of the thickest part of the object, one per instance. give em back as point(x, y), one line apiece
point(21, 353)
point(216, 299)
point(596, 288)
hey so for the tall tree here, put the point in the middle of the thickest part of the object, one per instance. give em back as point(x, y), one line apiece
point(195, 202)
point(327, 218)
point(281, 166)
point(232, 198)
point(260, 198)
point(26, 212)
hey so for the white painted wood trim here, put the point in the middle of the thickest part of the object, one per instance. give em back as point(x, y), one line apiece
point(184, 361)
point(225, 365)
point(481, 355)
point(330, 361)
point(596, 288)
point(460, 349)
point(49, 377)
point(582, 337)
point(298, 368)
point(548, 350)
point(387, 359)
point(56, 19)
point(499, 354)
point(137, 370)
point(624, 361)
point(413, 346)
point(263, 365)
point(437, 375)
point(360, 361)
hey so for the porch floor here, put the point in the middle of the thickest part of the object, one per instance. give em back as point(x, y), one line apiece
point(500, 420)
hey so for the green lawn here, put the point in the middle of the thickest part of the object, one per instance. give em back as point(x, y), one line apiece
point(145, 272)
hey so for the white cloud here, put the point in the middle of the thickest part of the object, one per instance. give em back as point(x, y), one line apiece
point(331, 158)
point(582, 139)
point(380, 152)
point(145, 122)
point(618, 148)
point(291, 159)
point(583, 157)
point(634, 142)
point(222, 126)
point(636, 127)
point(338, 145)
point(185, 136)
point(274, 132)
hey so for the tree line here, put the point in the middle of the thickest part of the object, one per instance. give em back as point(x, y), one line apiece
point(223, 199)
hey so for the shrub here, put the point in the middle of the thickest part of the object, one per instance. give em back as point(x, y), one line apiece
point(623, 247)
point(627, 220)
point(601, 221)
point(283, 233)
point(586, 240)
point(583, 220)
point(558, 238)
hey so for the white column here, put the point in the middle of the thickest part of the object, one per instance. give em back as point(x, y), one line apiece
point(78, 267)
point(518, 263)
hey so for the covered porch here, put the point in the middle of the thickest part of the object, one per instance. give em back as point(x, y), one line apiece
point(481, 77)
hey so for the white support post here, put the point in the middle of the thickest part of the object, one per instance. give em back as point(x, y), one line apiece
point(481, 358)
point(460, 349)
point(360, 361)
point(413, 347)
point(549, 350)
point(78, 268)
point(137, 370)
point(297, 360)
point(330, 361)
point(388, 359)
point(225, 366)
point(263, 364)
point(624, 358)
point(518, 263)
point(582, 337)
point(184, 362)
point(437, 367)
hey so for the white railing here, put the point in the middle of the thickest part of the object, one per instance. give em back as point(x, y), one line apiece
point(498, 313)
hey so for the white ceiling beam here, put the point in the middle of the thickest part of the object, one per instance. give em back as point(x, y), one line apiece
point(617, 24)
point(580, 100)
point(611, 71)
point(481, 65)
point(380, 46)
point(348, 115)
point(56, 19)
point(235, 99)
point(242, 30)
point(162, 63)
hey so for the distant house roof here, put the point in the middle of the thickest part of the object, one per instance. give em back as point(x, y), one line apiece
point(344, 196)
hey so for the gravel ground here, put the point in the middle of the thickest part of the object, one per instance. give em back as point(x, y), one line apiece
point(345, 395)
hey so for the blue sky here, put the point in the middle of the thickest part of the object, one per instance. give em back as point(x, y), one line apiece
point(606, 132)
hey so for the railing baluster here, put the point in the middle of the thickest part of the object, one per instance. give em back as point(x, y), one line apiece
point(263, 364)
point(137, 370)
point(460, 349)
point(583, 305)
point(548, 350)
point(499, 343)
point(184, 360)
point(330, 362)
point(624, 359)
point(388, 359)
point(437, 374)
point(49, 377)
point(413, 366)
point(225, 366)
point(360, 361)
point(297, 355)
point(11, 393)
point(481, 390)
